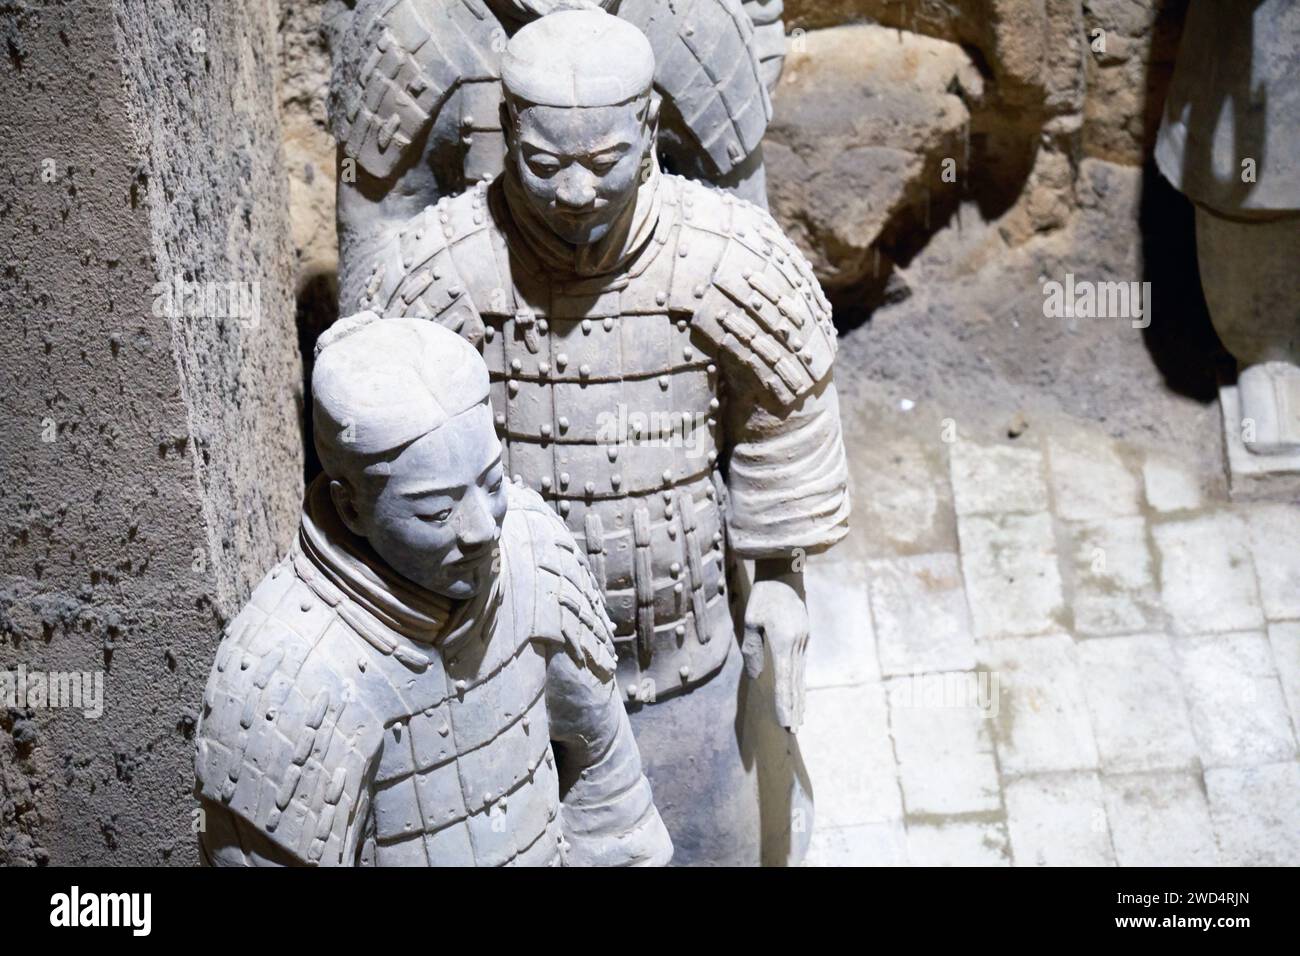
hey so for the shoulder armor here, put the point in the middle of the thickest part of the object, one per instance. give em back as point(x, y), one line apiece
point(281, 742)
point(396, 65)
point(568, 606)
point(761, 304)
point(707, 65)
point(447, 264)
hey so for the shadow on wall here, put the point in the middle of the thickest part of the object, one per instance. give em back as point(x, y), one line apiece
point(1181, 339)
point(318, 308)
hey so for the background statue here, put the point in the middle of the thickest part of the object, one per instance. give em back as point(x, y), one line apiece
point(427, 678)
point(661, 371)
point(1231, 141)
point(416, 102)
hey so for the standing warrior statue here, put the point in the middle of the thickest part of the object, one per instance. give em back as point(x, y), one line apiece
point(1230, 141)
point(415, 101)
point(661, 369)
point(391, 692)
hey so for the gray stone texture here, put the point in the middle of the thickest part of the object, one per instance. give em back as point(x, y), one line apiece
point(151, 464)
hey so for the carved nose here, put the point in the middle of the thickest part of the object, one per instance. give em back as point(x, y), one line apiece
point(575, 193)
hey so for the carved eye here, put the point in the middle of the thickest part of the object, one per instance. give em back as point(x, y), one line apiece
point(544, 165)
point(438, 518)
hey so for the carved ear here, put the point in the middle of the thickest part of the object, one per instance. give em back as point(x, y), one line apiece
point(650, 119)
point(345, 504)
point(509, 119)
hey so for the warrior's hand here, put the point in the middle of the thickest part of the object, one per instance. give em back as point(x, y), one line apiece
point(777, 617)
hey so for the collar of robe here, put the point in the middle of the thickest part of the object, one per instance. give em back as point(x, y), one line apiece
point(626, 239)
point(392, 614)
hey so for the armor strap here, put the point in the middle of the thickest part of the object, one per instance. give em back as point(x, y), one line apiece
point(594, 532)
point(694, 565)
point(645, 583)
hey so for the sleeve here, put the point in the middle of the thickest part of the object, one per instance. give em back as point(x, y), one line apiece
point(607, 811)
point(788, 478)
point(769, 38)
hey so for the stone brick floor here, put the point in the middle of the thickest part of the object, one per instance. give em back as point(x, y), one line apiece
point(1052, 650)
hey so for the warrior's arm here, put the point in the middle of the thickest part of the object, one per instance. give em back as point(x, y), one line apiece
point(608, 813)
point(229, 840)
point(788, 479)
point(769, 38)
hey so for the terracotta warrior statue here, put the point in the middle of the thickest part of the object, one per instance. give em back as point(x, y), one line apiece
point(1230, 141)
point(415, 101)
point(661, 372)
point(427, 678)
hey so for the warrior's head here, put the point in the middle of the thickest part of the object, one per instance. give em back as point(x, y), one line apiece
point(404, 432)
point(580, 119)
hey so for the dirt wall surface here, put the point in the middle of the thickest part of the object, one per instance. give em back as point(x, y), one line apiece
point(151, 456)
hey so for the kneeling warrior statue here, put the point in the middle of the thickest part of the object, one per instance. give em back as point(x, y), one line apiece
point(661, 371)
point(415, 101)
point(427, 678)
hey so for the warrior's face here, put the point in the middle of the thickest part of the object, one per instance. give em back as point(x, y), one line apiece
point(580, 167)
point(437, 517)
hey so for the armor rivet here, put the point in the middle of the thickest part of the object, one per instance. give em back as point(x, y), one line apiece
point(710, 492)
point(699, 292)
point(546, 482)
point(501, 421)
point(668, 511)
point(543, 326)
point(746, 274)
point(584, 370)
point(564, 424)
point(688, 353)
point(467, 121)
point(712, 369)
point(631, 692)
point(668, 496)
point(561, 360)
point(516, 365)
point(564, 509)
point(489, 333)
point(544, 368)
point(796, 343)
point(714, 404)
point(717, 537)
point(756, 304)
point(663, 382)
point(306, 606)
point(683, 251)
point(680, 630)
point(361, 664)
point(672, 530)
point(681, 325)
point(722, 588)
point(245, 662)
point(668, 476)
point(685, 672)
point(713, 457)
point(437, 275)
point(661, 298)
point(590, 488)
point(526, 723)
point(678, 588)
point(454, 291)
point(546, 430)
point(616, 480)
point(564, 479)
point(608, 323)
point(460, 686)
point(586, 326)
point(675, 568)
point(512, 387)
point(487, 798)
point(612, 452)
